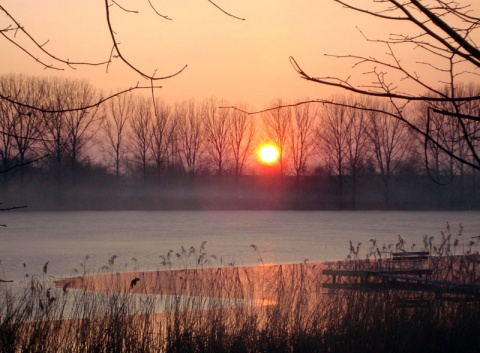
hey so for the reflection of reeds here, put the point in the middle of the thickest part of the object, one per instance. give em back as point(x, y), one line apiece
point(205, 306)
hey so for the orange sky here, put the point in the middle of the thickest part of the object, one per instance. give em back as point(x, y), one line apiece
point(241, 61)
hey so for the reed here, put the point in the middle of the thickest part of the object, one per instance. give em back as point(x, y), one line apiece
point(203, 305)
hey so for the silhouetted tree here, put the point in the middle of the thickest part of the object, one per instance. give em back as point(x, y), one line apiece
point(140, 132)
point(217, 125)
point(442, 166)
point(358, 153)
point(6, 138)
point(277, 125)
point(174, 156)
point(66, 132)
point(81, 125)
point(392, 147)
point(161, 134)
point(117, 111)
point(241, 137)
point(302, 138)
point(191, 135)
point(332, 139)
point(443, 34)
point(21, 127)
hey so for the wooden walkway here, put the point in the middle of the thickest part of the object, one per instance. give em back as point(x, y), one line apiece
point(366, 276)
point(400, 263)
point(411, 276)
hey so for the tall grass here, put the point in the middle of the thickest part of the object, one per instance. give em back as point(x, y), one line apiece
point(204, 305)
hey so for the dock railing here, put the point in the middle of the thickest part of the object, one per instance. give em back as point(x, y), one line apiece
point(371, 271)
point(412, 259)
point(406, 273)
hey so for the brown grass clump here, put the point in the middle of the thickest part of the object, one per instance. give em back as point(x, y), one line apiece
point(265, 308)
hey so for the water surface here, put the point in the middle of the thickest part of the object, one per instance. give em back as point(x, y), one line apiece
point(138, 238)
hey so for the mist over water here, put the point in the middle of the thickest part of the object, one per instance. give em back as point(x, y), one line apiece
point(138, 238)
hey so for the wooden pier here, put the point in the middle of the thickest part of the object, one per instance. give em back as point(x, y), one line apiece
point(406, 271)
point(367, 276)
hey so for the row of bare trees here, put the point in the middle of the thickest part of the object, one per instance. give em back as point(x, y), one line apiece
point(144, 135)
point(442, 34)
point(135, 135)
point(29, 135)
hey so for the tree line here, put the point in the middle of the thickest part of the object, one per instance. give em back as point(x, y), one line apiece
point(139, 138)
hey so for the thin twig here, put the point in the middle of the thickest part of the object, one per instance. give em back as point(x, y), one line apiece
point(225, 12)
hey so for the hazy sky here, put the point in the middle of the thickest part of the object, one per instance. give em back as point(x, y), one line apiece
point(241, 61)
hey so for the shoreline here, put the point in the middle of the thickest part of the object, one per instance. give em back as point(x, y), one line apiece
point(240, 282)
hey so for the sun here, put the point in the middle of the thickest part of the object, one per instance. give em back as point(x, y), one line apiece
point(268, 154)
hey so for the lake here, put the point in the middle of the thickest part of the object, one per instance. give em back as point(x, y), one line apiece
point(72, 241)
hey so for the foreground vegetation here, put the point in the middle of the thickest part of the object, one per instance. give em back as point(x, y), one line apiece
point(278, 308)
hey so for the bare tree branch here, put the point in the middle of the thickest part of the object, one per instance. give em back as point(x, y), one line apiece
point(122, 57)
point(96, 104)
point(41, 46)
point(158, 13)
point(225, 12)
point(47, 66)
point(115, 52)
point(464, 44)
point(11, 209)
point(123, 8)
point(19, 165)
point(344, 84)
point(455, 115)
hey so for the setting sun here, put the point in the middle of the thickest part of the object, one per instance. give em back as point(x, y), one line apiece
point(268, 154)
